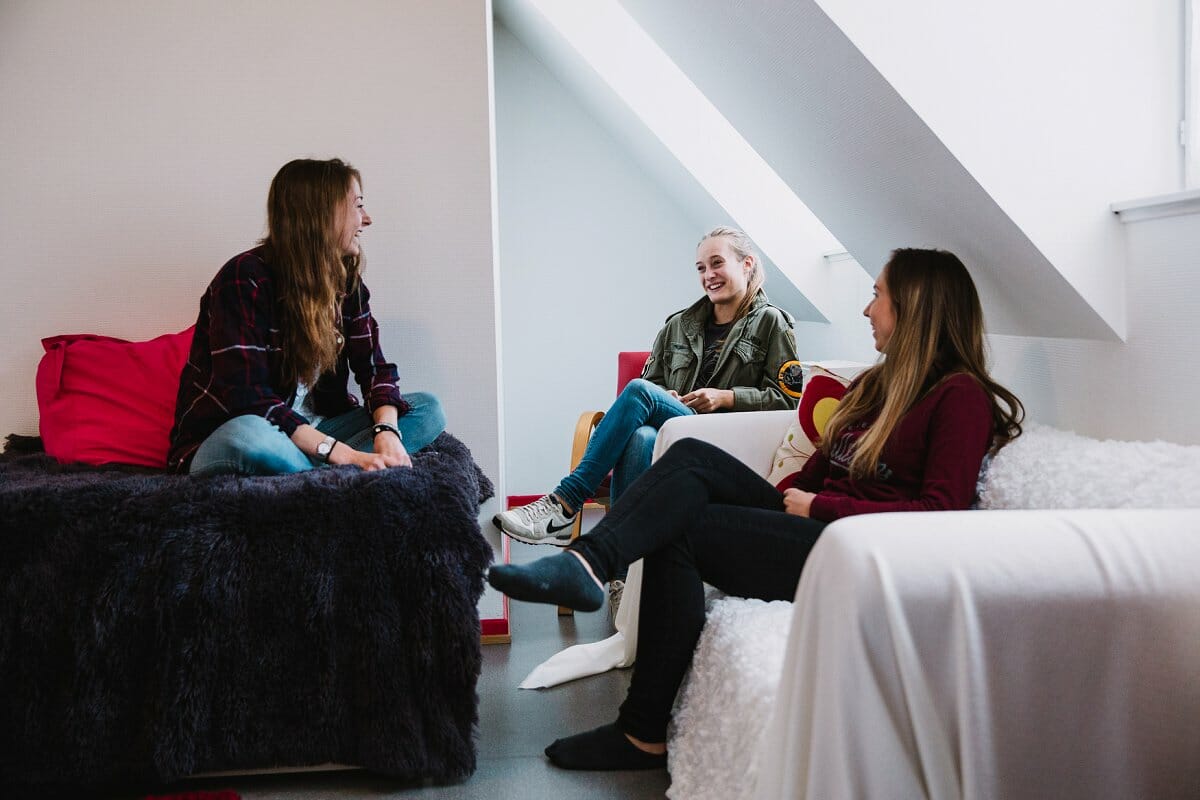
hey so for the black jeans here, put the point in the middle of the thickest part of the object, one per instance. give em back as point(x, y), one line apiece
point(698, 516)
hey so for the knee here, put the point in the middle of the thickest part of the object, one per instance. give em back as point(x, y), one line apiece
point(251, 445)
point(428, 407)
point(424, 421)
point(640, 387)
point(687, 447)
point(245, 434)
point(638, 394)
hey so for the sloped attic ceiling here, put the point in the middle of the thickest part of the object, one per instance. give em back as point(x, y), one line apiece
point(640, 98)
point(875, 174)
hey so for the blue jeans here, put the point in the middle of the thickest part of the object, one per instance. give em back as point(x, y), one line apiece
point(249, 445)
point(623, 442)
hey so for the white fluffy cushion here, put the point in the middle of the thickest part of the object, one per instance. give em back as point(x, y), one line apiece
point(724, 704)
point(1050, 468)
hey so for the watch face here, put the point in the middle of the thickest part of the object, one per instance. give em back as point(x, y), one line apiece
point(324, 447)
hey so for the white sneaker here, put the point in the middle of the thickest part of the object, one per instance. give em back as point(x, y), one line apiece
point(544, 521)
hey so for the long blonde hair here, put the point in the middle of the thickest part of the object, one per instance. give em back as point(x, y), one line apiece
point(938, 332)
point(743, 248)
point(305, 213)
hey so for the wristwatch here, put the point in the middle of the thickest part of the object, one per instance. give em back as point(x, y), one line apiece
point(325, 448)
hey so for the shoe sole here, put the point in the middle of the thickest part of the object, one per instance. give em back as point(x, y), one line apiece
point(520, 537)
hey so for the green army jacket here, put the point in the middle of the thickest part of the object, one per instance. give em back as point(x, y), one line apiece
point(758, 361)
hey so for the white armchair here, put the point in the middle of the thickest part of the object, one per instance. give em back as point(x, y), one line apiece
point(752, 436)
point(994, 653)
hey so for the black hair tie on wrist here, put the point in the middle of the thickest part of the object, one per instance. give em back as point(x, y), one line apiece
point(383, 426)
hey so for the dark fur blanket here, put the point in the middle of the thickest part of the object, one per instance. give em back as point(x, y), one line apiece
point(153, 626)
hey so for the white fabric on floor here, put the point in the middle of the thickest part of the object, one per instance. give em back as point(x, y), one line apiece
point(592, 658)
point(993, 654)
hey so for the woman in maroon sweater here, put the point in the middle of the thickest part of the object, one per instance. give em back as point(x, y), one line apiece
point(910, 435)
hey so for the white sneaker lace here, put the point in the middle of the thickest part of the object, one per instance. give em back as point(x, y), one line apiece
point(542, 507)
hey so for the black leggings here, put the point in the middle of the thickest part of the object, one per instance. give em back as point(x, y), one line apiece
point(697, 516)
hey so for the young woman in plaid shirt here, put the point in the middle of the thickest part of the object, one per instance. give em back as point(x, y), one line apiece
point(281, 327)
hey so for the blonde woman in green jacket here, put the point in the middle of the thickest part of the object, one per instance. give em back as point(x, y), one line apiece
point(731, 350)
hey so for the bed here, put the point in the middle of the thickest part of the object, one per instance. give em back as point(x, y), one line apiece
point(155, 626)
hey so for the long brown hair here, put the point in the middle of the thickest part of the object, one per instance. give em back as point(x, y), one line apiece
point(743, 248)
point(938, 332)
point(305, 213)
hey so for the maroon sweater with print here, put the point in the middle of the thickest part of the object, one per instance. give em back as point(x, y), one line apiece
point(930, 462)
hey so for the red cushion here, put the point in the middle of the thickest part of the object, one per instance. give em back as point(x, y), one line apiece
point(630, 364)
point(103, 400)
point(822, 392)
point(821, 395)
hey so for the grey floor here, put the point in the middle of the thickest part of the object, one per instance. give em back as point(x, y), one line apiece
point(514, 727)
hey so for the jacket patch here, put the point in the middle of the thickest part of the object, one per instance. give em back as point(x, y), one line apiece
point(791, 378)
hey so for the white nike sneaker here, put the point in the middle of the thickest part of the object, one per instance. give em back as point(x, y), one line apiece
point(544, 521)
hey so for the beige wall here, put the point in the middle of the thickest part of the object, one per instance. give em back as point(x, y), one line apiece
point(137, 141)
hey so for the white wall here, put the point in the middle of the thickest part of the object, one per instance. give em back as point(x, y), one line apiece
point(1145, 388)
point(593, 257)
point(828, 116)
point(139, 139)
point(1057, 108)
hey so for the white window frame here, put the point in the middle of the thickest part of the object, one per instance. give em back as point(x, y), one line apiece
point(1190, 127)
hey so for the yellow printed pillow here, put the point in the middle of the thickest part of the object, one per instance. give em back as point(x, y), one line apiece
point(824, 385)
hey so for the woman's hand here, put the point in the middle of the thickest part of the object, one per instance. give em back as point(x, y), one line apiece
point(389, 446)
point(797, 501)
point(705, 401)
point(343, 453)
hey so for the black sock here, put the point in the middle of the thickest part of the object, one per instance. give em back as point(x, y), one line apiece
point(559, 580)
point(603, 748)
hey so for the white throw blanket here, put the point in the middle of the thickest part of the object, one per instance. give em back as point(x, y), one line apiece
point(592, 658)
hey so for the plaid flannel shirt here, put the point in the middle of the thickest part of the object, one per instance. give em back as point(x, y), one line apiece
point(236, 353)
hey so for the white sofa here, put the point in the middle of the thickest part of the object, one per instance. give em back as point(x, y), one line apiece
point(994, 653)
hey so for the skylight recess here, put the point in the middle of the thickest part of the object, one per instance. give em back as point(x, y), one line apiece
point(706, 144)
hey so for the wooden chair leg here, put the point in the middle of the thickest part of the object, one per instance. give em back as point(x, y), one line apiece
point(587, 423)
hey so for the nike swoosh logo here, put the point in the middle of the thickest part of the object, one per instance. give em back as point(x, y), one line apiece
point(551, 529)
